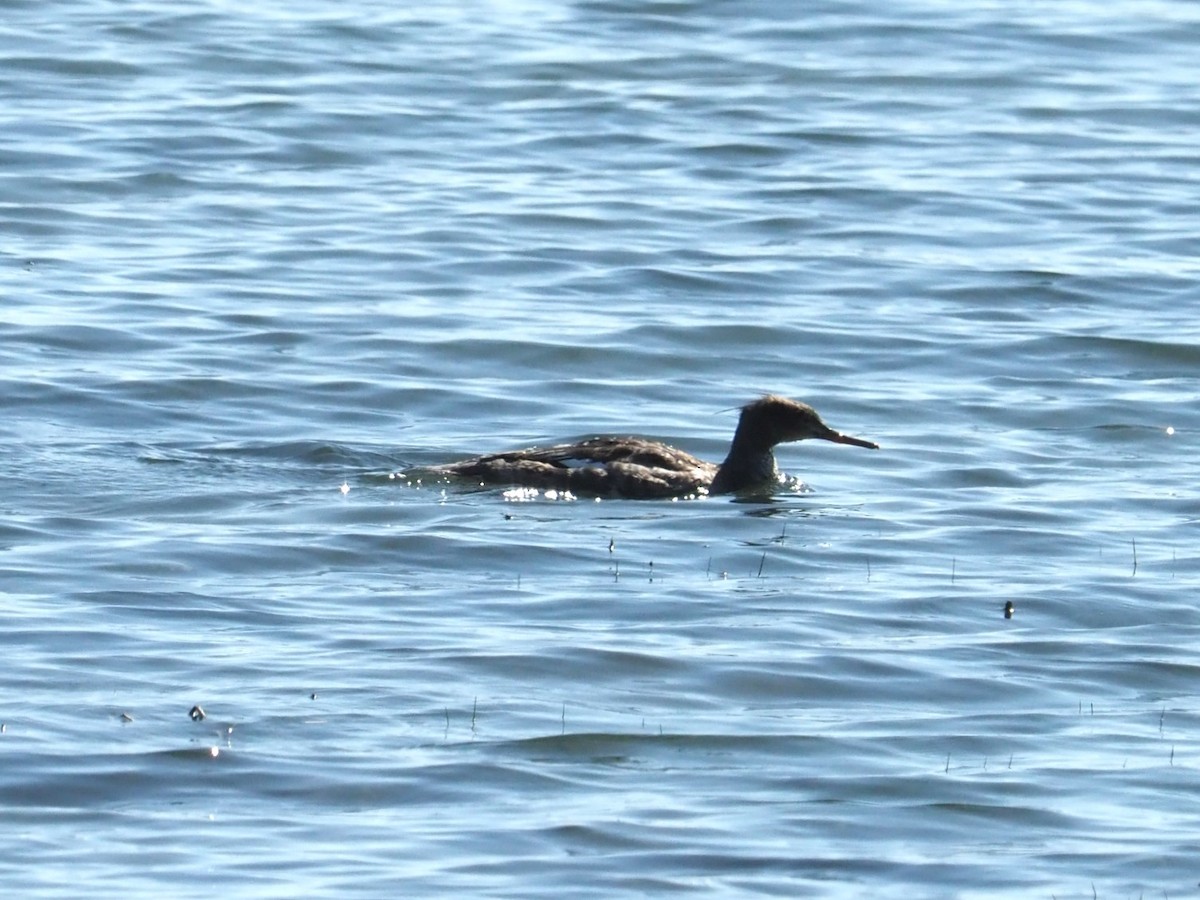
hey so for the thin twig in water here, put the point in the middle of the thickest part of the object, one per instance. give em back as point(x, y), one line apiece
point(1134, 542)
point(761, 563)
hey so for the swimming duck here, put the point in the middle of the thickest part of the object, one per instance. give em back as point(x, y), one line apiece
point(640, 469)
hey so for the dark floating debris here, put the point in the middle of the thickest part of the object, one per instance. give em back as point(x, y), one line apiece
point(126, 717)
point(197, 713)
point(1009, 609)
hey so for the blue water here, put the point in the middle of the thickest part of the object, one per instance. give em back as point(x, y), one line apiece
point(256, 260)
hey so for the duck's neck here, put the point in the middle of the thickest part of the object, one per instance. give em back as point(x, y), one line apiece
point(748, 464)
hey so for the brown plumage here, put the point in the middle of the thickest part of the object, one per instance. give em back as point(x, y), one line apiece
point(639, 469)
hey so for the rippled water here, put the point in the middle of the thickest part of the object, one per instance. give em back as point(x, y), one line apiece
point(255, 260)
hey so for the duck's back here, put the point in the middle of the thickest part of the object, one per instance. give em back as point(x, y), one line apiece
point(602, 466)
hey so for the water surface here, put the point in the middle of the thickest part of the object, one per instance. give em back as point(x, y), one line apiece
point(257, 260)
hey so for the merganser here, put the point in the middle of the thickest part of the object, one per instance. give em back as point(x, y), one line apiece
point(640, 469)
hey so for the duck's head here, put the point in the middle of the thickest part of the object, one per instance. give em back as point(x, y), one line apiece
point(773, 420)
